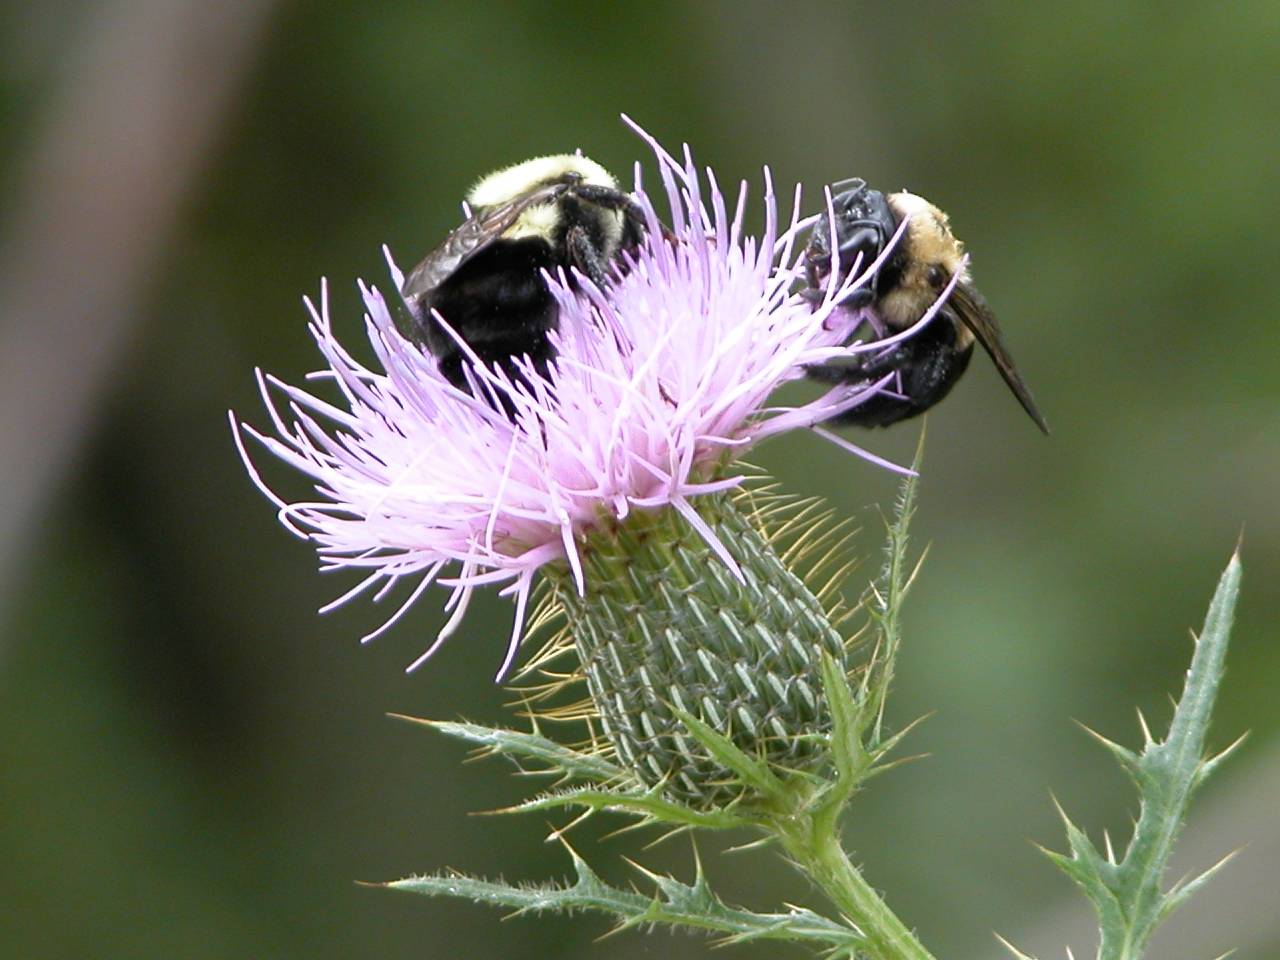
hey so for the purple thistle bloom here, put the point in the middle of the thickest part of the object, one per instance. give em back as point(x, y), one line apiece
point(660, 382)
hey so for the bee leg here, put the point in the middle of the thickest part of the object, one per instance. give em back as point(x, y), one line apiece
point(584, 255)
point(633, 214)
point(633, 226)
point(811, 272)
point(929, 365)
point(861, 368)
point(835, 372)
point(864, 296)
point(603, 196)
point(856, 300)
point(861, 250)
point(816, 292)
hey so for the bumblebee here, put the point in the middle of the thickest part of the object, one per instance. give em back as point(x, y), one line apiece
point(905, 285)
point(486, 278)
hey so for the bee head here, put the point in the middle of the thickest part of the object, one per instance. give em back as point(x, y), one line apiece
point(864, 224)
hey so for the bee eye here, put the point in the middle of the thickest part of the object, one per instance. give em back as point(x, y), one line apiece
point(937, 277)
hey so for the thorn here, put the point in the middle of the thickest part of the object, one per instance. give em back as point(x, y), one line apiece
point(573, 854)
point(620, 927)
point(1119, 750)
point(1221, 863)
point(1057, 806)
point(1210, 763)
point(1011, 948)
point(915, 571)
point(640, 824)
point(1043, 849)
point(645, 871)
point(557, 833)
point(698, 873)
point(751, 845)
point(1146, 731)
point(659, 840)
point(1111, 853)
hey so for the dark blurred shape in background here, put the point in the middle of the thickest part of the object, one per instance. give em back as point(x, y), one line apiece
point(195, 765)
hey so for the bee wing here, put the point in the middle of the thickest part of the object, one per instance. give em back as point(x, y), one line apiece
point(972, 309)
point(468, 239)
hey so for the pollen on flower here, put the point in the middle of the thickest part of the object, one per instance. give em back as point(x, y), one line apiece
point(661, 381)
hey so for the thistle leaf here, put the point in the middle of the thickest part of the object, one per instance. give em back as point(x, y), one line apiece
point(1181, 891)
point(887, 594)
point(554, 757)
point(754, 773)
point(673, 903)
point(1126, 893)
point(848, 727)
point(650, 804)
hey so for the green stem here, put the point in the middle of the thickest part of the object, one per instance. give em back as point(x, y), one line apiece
point(812, 843)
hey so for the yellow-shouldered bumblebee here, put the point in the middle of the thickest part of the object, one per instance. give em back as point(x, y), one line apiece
point(906, 285)
point(486, 278)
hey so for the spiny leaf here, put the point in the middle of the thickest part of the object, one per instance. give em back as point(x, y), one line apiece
point(754, 773)
point(612, 790)
point(556, 758)
point(1126, 757)
point(1126, 894)
point(1209, 765)
point(848, 726)
point(1181, 891)
point(887, 595)
point(673, 903)
point(650, 804)
point(887, 746)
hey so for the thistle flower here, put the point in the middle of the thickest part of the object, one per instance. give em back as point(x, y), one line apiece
point(661, 383)
point(720, 680)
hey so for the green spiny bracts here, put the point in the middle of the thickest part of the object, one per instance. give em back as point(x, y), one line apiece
point(666, 623)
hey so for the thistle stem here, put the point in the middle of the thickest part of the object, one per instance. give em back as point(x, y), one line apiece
point(814, 846)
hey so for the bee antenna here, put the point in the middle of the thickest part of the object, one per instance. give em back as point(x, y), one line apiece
point(839, 185)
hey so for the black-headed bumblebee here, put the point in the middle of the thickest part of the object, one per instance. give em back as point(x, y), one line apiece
point(486, 279)
point(909, 281)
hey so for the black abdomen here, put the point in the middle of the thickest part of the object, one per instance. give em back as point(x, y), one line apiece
point(925, 366)
point(499, 304)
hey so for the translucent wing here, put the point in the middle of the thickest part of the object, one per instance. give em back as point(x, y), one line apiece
point(970, 306)
point(468, 239)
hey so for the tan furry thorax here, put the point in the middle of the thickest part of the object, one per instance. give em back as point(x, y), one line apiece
point(928, 242)
point(503, 186)
point(510, 183)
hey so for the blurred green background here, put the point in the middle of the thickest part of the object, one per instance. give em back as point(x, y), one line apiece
point(194, 764)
